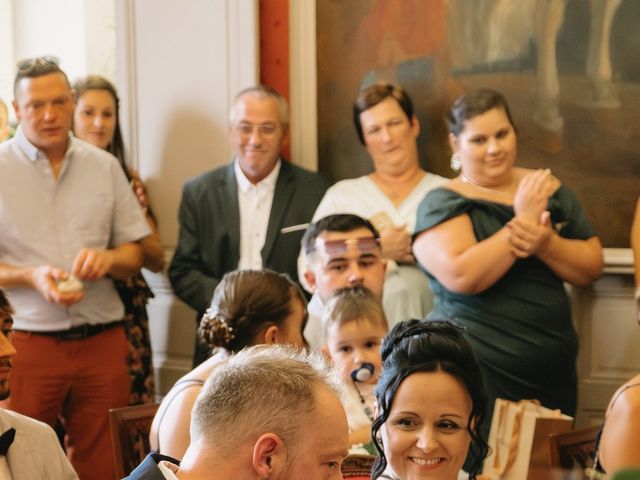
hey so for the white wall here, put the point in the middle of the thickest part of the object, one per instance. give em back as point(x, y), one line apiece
point(6, 51)
point(179, 66)
point(42, 27)
point(81, 33)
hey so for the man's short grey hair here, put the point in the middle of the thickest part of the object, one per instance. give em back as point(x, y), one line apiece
point(262, 91)
point(262, 389)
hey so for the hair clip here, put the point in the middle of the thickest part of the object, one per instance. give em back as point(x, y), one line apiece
point(216, 328)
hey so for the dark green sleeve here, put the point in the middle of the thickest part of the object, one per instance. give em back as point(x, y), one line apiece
point(439, 206)
point(568, 217)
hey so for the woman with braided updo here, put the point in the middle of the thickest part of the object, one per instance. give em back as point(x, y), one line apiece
point(249, 307)
point(431, 402)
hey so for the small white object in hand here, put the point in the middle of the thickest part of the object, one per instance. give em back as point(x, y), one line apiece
point(71, 285)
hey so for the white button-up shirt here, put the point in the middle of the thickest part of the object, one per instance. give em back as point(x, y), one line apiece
point(255, 207)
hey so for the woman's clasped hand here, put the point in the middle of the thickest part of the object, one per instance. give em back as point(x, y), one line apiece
point(530, 229)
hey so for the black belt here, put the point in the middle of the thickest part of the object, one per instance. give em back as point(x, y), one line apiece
point(80, 332)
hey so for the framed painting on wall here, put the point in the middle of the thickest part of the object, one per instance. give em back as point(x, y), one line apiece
point(569, 69)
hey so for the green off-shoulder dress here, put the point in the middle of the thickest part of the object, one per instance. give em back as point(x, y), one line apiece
point(521, 327)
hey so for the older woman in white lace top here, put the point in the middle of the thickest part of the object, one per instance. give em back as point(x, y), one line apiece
point(389, 196)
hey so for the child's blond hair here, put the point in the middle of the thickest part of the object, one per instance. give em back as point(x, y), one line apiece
point(353, 304)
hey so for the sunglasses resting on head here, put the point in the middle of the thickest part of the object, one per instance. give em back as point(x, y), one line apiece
point(333, 247)
point(28, 64)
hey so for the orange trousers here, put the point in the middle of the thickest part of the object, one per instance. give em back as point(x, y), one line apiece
point(78, 381)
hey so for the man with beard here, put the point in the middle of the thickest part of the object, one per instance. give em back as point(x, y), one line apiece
point(28, 448)
point(270, 412)
point(343, 250)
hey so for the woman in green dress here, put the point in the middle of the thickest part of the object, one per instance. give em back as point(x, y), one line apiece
point(497, 243)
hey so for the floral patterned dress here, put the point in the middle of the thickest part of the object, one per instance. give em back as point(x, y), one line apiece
point(135, 293)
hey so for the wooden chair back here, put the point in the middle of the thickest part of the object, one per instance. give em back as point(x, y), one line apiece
point(130, 428)
point(358, 467)
point(575, 448)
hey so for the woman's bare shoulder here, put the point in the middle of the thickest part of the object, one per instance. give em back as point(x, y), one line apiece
point(454, 185)
point(627, 397)
point(188, 387)
point(205, 369)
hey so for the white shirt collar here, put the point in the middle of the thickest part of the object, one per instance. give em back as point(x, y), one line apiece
point(168, 469)
point(269, 181)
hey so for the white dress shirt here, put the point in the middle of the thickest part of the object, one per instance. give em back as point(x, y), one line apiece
point(168, 469)
point(35, 452)
point(255, 207)
point(314, 331)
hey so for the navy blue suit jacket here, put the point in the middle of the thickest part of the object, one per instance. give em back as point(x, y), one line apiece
point(148, 469)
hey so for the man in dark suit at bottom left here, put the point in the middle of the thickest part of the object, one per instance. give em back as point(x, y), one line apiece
point(29, 449)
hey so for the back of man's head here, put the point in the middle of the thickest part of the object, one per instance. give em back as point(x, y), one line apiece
point(37, 67)
point(340, 222)
point(261, 389)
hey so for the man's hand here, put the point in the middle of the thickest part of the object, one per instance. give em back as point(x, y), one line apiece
point(92, 264)
point(44, 280)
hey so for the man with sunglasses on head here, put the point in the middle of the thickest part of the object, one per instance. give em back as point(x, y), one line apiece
point(70, 224)
point(343, 250)
point(250, 213)
point(28, 448)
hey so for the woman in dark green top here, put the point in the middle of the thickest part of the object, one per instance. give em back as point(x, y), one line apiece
point(497, 243)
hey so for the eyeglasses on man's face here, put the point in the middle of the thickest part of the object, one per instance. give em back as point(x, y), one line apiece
point(266, 130)
point(28, 64)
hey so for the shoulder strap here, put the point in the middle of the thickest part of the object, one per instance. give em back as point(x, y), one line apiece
point(183, 384)
point(622, 390)
point(597, 466)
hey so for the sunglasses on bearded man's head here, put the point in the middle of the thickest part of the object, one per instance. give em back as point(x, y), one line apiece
point(336, 247)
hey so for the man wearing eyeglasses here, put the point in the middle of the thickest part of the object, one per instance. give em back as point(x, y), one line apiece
point(343, 250)
point(70, 224)
point(249, 214)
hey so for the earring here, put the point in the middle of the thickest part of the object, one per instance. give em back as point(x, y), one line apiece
point(456, 162)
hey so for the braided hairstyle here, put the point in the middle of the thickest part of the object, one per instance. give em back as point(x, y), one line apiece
point(246, 302)
point(428, 346)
